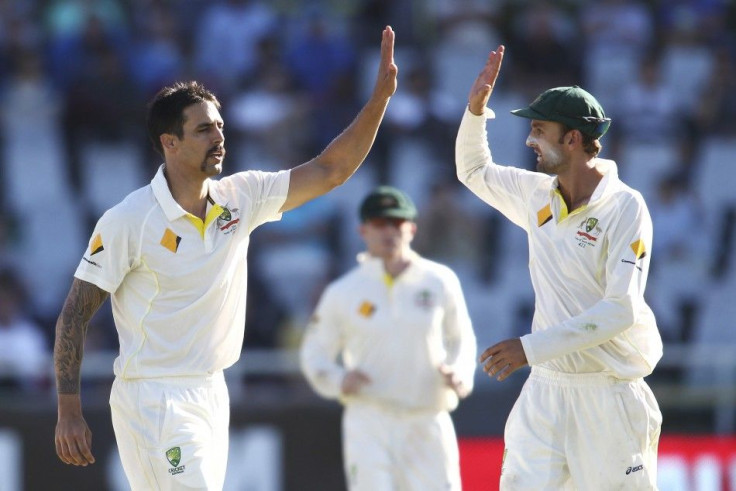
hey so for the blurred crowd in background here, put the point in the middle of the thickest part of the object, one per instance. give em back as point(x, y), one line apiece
point(75, 77)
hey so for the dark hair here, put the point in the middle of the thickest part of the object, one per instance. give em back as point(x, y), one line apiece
point(591, 145)
point(166, 110)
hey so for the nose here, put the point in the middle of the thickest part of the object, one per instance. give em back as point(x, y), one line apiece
point(218, 135)
point(530, 141)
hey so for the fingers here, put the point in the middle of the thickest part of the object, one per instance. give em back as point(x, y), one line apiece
point(387, 46)
point(499, 366)
point(492, 67)
point(503, 359)
point(74, 452)
point(76, 449)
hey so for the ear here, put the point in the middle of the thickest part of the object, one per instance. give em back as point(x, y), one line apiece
point(573, 136)
point(168, 141)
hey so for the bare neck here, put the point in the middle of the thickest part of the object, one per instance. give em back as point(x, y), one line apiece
point(190, 192)
point(578, 184)
point(396, 265)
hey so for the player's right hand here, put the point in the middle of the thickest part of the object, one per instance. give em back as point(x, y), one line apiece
point(481, 90)
point(353, 381)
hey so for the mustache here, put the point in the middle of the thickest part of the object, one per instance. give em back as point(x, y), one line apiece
point(216, 149)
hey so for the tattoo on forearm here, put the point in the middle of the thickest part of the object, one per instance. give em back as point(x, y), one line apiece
point(83, 301)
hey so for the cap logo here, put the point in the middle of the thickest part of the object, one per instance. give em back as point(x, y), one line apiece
point(593, 119)
point(389, 202)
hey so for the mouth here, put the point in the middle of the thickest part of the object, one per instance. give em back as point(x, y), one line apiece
point(218, 153)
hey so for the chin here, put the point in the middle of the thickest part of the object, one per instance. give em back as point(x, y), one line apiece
point(213, 170)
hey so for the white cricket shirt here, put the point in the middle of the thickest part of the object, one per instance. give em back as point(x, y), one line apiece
point(397, 334)
point(588, 268)
point(178, 285)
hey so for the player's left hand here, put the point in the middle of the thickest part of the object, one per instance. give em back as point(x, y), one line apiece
point(504, 358)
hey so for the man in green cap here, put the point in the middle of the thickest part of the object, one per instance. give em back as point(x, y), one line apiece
point(585, 418)
point(399, 325)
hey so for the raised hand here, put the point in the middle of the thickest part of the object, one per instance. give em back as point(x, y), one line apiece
point(483, 86)
point(387, 69)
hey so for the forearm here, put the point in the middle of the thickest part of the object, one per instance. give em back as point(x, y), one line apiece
point(68, 353)
point(472, 153)
point(71, 328)
point(597, 325)
point(342, 157)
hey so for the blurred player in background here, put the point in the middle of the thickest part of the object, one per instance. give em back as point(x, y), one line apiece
point(173, 257)
point(585, 418)
point(399, 325)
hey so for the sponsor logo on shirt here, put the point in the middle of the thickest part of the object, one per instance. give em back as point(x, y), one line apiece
point(92, 262)
point(640, 252)
point(170, 240)
point(631, 470)
point(228, 220)
point(96, 245)
point(588, 232)
point(173, 455)
point(544, 215)
point(424, 300)
point(366, 309)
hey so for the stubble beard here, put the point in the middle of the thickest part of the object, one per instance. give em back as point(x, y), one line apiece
point(551, 163)
point(211, 169)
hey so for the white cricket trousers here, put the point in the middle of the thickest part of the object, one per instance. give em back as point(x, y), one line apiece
point(396, 450)
point(172, 432)
point(581, 432)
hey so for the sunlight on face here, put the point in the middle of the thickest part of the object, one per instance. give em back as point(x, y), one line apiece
point(203, 144)
point(544, 139)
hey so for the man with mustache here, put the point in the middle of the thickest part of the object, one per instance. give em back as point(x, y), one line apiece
point(172, 256)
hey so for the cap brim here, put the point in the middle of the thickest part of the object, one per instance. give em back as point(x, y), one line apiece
point(529, 113)
point(403, 215)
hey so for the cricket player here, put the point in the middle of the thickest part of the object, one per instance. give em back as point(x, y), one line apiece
point(172, 255)
point(585, 418)
point(399, 324)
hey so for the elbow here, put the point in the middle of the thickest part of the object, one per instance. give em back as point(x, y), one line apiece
point(628, 311)
point(334, 174)
point(338, 177)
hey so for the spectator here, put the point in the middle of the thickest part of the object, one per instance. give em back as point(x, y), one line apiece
point(229, 32)
point(25, 361)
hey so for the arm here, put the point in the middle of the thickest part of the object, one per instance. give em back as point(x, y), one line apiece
point(460, 343)
point(73, 437)
point(503, 187)
point(342, 157)
point(622, 303)
point(321, 344)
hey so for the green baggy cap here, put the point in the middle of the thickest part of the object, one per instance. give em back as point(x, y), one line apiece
point(571, 106)
point(387, 202)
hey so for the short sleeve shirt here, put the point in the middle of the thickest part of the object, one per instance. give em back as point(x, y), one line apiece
point(177, 284)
